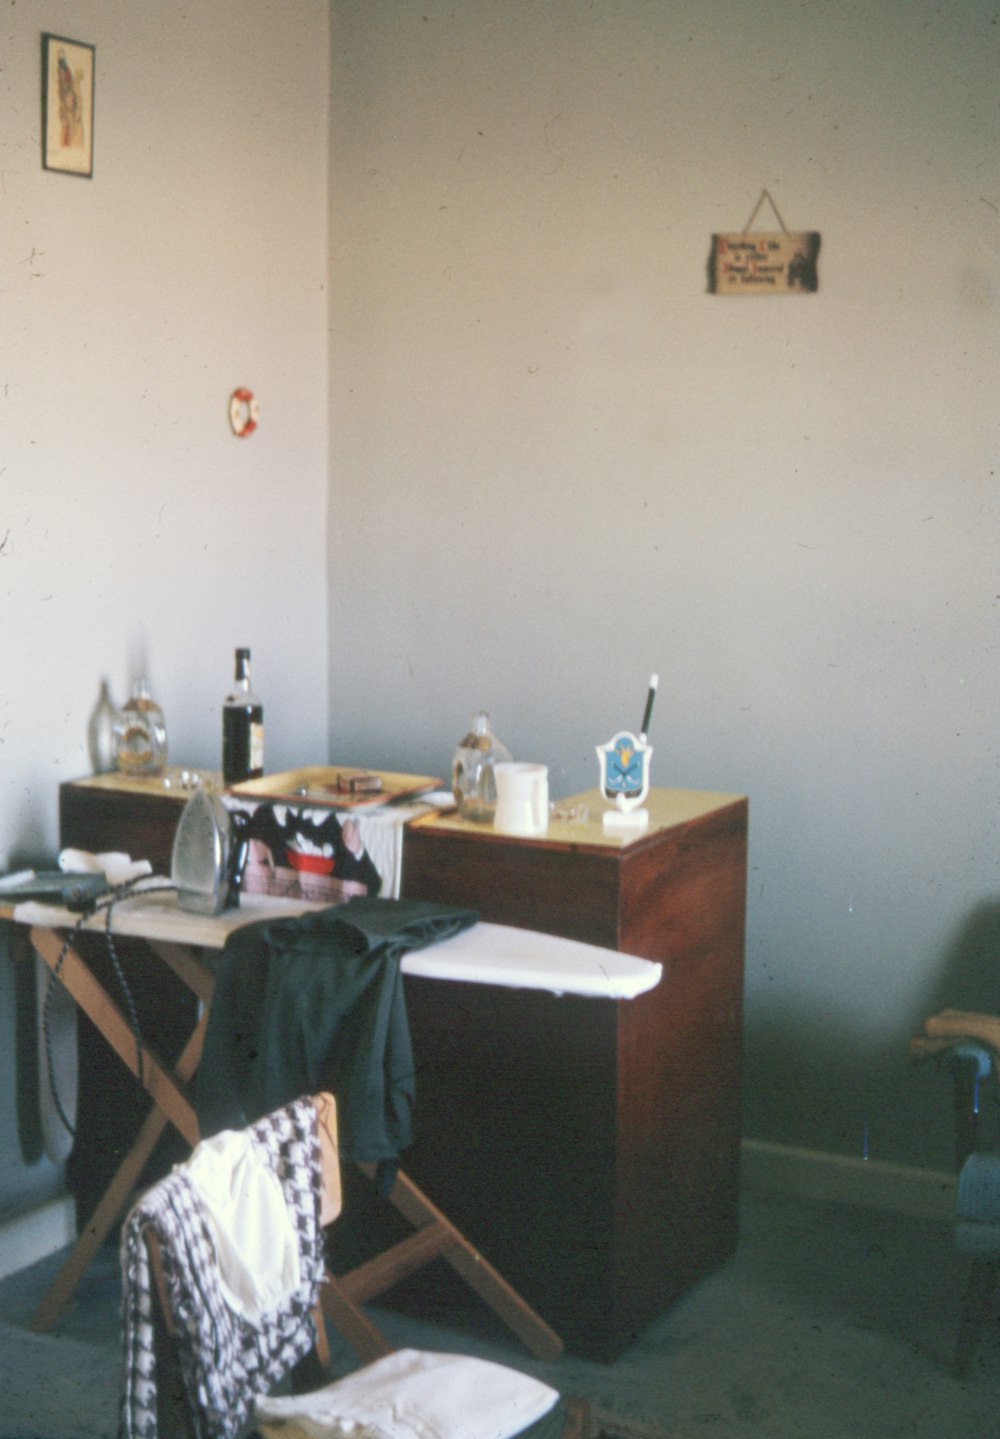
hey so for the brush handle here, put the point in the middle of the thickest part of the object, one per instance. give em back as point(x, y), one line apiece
point(647, 716)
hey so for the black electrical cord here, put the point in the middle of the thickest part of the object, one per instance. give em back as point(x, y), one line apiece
point(105, 900)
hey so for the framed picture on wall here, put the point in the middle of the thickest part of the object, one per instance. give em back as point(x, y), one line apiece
point(67, 105)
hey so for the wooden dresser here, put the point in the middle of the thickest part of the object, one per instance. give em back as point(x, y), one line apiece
point(137, 814)
point(591, 1147)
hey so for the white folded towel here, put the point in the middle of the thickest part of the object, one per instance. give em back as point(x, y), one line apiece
point(413, 1394)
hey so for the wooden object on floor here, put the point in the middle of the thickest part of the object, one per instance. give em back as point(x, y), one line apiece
point(591, 1149)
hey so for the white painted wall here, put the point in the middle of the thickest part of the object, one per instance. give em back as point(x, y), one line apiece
point(557, 464)
point(135, 529)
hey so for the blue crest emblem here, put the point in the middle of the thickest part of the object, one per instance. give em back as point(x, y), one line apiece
point(624, 763)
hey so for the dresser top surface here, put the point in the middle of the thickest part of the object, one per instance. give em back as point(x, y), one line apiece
point(171, 783)
point(579, 819)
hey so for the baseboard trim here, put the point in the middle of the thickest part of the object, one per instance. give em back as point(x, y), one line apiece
point(40, 1232)
point(843, 1179)
point(783, 1168)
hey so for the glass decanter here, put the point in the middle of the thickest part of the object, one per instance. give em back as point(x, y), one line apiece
point(140, 733)
point(472, 780)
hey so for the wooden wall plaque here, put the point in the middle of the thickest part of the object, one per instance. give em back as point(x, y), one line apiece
point(765, 262)
point(776, 262)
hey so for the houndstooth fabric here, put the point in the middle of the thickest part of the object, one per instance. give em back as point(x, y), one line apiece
point(226, 1361)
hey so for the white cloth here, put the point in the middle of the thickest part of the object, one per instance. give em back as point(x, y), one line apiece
point(254, 1236)
point(382, 832)
point(116, 866)
point(412, 1394)
point(380, 827)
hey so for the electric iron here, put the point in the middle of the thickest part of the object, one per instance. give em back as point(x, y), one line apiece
point(210, 849)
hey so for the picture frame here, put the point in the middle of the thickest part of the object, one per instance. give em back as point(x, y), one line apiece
point(68, 105)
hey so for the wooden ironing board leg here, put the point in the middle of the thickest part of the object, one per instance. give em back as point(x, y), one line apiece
point(157, 1079)
point(115, 1197)
point(435, 1236)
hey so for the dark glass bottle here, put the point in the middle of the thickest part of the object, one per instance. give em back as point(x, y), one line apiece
point(242, 728)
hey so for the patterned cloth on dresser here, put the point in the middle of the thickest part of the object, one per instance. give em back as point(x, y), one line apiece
point(226, 1361)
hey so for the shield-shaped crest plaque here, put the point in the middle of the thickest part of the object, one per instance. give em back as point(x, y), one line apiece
point(624, 762)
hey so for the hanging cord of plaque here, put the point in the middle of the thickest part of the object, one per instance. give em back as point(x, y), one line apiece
point(765, 262)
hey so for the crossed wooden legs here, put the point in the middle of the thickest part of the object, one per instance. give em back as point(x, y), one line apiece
point(433, 1236)
point(167, 1089)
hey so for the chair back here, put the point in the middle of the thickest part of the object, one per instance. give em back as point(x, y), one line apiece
point(175, 1419)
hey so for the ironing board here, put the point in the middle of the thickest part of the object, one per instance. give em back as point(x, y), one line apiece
point(486, 954)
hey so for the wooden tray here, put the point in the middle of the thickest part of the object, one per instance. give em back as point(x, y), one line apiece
point(317, 785)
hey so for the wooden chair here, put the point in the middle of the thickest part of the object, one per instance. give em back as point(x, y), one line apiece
point(967, 1044)
point(341, 1299)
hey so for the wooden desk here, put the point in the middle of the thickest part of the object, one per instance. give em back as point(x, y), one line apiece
point(592, 1150)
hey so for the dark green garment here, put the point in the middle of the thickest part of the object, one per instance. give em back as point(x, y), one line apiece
point(315, 1003)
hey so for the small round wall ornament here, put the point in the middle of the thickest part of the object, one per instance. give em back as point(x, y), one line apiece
point(243, 412)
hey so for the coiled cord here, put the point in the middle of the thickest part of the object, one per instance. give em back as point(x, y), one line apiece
point(106, 901)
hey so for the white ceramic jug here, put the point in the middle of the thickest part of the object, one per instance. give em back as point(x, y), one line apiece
point(522, 798)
